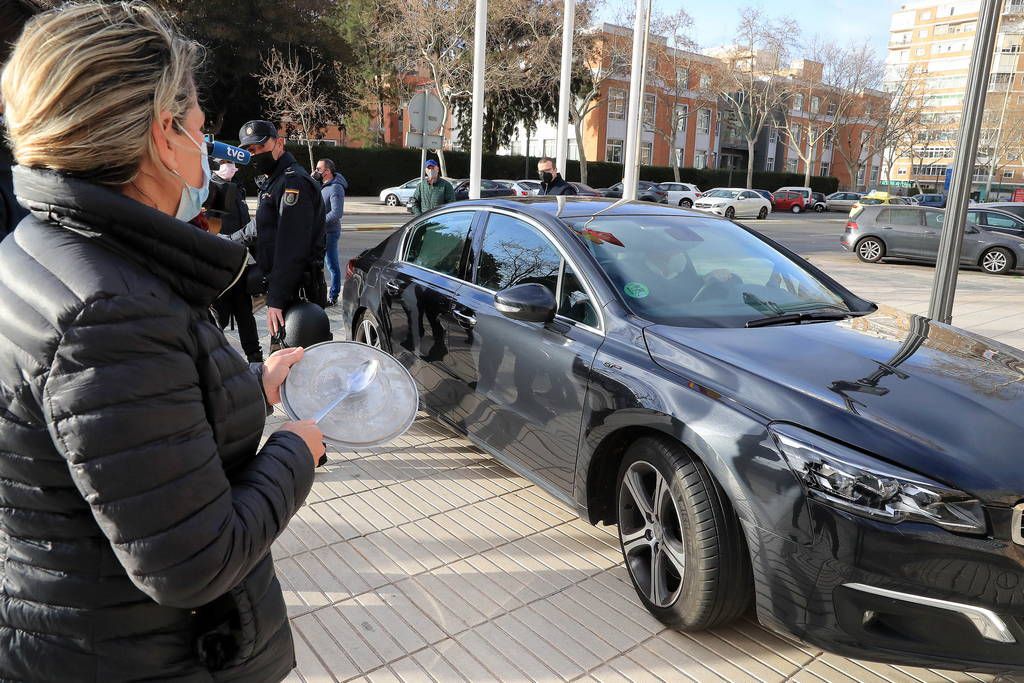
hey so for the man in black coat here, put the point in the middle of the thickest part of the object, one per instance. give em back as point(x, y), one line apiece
point(551, 183)
point(290, 225)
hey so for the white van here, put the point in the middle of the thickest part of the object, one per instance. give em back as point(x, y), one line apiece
point(805, 191)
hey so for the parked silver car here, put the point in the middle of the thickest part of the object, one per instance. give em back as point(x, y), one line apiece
point(1016, 208)
point(841, 201)
point(912, 232)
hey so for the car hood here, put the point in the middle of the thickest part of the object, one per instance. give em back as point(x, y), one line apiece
point(927, 396)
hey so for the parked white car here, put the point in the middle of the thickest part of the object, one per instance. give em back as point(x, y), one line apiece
point(734, 202)
point(682, 194)
point(522, 188)
point(399, 195)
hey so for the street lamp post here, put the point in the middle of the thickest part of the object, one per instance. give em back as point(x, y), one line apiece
point(940, 306)
point(565, 86)
point(636, 88)
point(477, 136)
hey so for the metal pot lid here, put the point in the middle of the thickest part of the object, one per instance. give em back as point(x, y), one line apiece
point(377, 415)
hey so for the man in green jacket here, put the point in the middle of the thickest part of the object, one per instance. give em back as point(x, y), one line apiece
point(432, 192)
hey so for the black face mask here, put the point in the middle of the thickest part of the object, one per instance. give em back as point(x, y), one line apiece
point(318, 176)
point(263, 163)
point(546, 176)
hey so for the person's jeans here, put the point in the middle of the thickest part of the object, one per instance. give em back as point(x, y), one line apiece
point(333, 262)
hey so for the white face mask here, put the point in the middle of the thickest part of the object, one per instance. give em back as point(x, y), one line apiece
point(227, 171)
point(192, 198)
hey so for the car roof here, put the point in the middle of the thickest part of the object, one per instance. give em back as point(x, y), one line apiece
point(581, 207)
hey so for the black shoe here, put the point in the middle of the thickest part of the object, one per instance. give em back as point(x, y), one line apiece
point(255, 357)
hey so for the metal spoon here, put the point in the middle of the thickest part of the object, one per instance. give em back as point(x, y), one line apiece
point(354, 383)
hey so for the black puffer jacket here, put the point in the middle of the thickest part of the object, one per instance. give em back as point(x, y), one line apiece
point(137, 509)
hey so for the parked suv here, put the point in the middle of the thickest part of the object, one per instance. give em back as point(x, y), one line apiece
point(681, 194)
point(789, 200)
point(937, 201)
point(912, 232)
point(805, 192)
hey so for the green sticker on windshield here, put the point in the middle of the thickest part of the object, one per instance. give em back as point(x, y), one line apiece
point(636, 290)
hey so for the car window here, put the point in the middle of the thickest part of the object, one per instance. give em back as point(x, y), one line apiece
point(933, 219)
point(998, 221)
point(575, 303)
point(1016, 209)
point(750, 195)
point(699, 272)
point(903, 217)
point(974, 217)
point(513, 253)
point(439, 242)
point(411, 184)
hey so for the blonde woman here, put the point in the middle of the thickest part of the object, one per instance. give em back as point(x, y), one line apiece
point(137, 507)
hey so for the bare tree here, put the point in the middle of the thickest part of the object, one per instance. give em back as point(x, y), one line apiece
point(903, 127)
point(825, 99)
point(290, 90)
point(1002, 137)
point(749, 79)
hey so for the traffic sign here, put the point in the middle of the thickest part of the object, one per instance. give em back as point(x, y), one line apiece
point(424, 141)
point(425, 113)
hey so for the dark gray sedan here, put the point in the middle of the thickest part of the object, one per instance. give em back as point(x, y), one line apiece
point(912, 232)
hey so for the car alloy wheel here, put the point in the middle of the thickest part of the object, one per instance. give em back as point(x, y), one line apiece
point(681, 541)
point(730, 212)
point(796, 208)
point(870, 250)
point(763, 213)
point(685, 203)
point(996, 261)
point(820, 208)
point(367, 331)
point(651, 534)
point(391, 200)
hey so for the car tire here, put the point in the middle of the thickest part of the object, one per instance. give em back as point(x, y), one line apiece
point(730, 212)
point(997, 261)
point(819, 208)
point(368, 330)
point(796, 208)
point(870, 250)
point(392, 200)
point(763, 213)
point(682, 543)
point(686, 203)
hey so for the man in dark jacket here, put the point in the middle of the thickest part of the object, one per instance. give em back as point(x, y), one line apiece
point(333, 192)
point(432, 191)
point(289, 223)
point(551, 183)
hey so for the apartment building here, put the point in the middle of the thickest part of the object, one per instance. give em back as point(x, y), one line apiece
point(678, 90)
point(930, 44)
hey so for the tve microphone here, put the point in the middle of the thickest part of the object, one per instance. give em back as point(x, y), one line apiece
point(226, 152)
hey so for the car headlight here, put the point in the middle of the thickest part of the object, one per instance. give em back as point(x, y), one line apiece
point(852, 481)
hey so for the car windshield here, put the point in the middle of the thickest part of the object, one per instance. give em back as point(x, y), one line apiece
point(723, 194)
point(700, 272)
point(870, 201)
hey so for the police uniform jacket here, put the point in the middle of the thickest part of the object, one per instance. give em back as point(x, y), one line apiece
point(139, 507)
point(290, 225)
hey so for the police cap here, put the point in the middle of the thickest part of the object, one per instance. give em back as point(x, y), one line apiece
point(256, 133)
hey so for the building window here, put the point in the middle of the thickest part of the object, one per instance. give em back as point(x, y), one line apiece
point(832, 108)
point(548, 148)
point(680, 156)
point(1007, 175)
point(920, 52)
point(923, 33)
point(616, 103)
point(574, 150)
point(613, 151)
point(705, 81)
point(650, 109)
point(773, 135)
point(798, 102)
point(860, 176)
point(704, 121)
point(826, 167)
point(796, 134)
point(815, 104)
point(682, 79)
point(770, 164)
point(902, 171)
point(700, 160)
point(646, 153)
point(791, 165)
point(829, 137)
point(682, 114)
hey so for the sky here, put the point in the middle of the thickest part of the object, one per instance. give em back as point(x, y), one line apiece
point(840, 20)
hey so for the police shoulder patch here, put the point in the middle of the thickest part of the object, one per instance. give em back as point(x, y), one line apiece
point(291, 197)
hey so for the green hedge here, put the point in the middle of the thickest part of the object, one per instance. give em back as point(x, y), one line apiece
point(369, 171)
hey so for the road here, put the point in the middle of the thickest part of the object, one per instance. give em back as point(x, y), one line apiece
point(806, 234)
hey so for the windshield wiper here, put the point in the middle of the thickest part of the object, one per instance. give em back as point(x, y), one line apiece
point(798, 318)
point(762, 305)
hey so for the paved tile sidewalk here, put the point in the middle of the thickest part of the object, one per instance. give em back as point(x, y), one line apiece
point(426, 560)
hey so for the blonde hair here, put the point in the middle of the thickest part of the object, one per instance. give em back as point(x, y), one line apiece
point(85, 83)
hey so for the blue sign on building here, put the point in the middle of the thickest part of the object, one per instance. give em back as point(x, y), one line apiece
point(949, 178)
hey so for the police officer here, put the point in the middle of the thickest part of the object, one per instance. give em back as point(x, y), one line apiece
point(290, 226)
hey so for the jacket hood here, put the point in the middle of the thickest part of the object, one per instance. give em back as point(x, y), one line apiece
point(338, 179)
point(199, 266)
point(927, 396)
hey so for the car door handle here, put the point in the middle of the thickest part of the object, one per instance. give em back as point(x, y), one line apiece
point(464, 318)
point(886, 227)
point(393, 286)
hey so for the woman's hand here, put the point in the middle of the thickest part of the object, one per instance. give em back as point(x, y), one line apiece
point(276, 369)
point(311, 434)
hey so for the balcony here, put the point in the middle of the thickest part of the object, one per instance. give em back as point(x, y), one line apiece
point(1013, 7)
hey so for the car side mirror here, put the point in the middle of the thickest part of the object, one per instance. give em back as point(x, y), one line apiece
point(530, 302)
point(971, 229)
